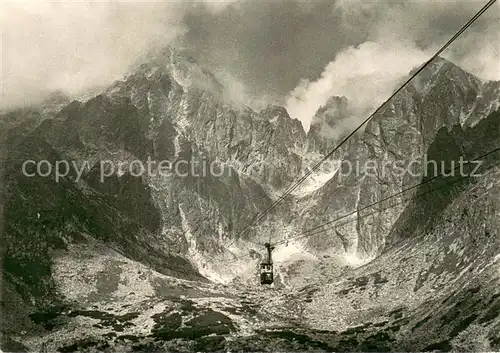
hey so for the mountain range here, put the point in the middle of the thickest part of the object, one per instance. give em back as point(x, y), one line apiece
point(168, 262)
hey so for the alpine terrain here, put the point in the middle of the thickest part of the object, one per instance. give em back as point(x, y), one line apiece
point(148, 261)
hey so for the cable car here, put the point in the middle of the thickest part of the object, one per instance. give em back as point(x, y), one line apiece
point(266, 273)
point(266, 268)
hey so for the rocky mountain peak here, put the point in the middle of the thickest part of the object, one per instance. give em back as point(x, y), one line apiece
point(324, 130)
point(273, 111)
point(182, 65)
point(189, 226)
point(441, 71)
point(333, 111)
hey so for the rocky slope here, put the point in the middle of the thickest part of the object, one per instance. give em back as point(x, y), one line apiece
point(132, 262)
point(398, 137)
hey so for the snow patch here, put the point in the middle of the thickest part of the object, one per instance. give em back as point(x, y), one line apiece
point(177, 145)
point(274, 120)
point(195, 256)
point(181, 123)
point(354, 260)
point(316, 180)
point(287, 252)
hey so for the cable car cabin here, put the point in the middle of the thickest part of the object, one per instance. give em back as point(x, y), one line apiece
point(266, 273)
point(266, 268)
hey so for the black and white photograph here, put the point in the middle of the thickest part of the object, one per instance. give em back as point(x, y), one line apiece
point(250, 176)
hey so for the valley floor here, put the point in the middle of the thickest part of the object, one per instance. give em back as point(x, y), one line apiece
point(438, 291)
point(114, 304)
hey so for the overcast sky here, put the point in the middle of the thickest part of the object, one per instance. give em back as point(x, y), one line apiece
point(295, 53)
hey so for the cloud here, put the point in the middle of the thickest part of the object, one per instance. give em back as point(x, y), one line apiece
point(73, 46)
point(401, 36)
point(77, 46)
point(260, 50)
point(238, 93)
point(429, 25)
point(267, 45)
point(365, 74)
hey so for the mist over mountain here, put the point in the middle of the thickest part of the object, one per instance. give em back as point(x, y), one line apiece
point(374, 251)
point(261, 51)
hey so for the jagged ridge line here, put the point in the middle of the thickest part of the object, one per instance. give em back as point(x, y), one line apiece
point(374, 212)
point(306, 234)
point(386, 198)
point(316, 166)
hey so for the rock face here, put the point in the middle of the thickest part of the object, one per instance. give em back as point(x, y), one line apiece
point(227, 163)
point(323, 134)
point(439, 276)
point(390, 155)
